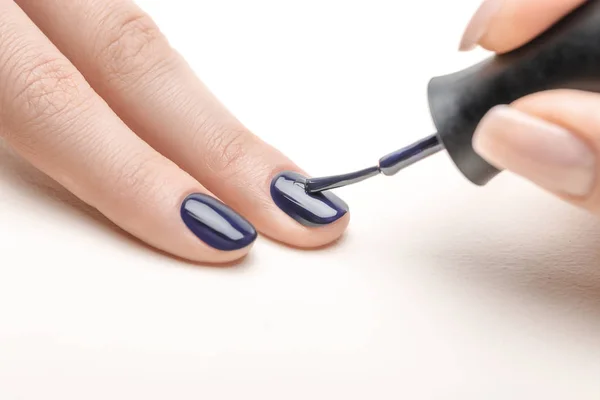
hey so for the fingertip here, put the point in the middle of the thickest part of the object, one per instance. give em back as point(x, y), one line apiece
point(550, 155)
point(295, 235)
point(300, 219)
point(200, 253)
point(479, 24)
point(501, 26)
point(314, 238)
point(214, 232)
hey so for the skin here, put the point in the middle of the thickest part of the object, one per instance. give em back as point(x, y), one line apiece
point(513, 24)
point(93, 95)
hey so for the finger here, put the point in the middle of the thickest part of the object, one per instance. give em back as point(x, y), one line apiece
point(52, 117)
point(551, 138)
point(131, 65)
point(504, 25)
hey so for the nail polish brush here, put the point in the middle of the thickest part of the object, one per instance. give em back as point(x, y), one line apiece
point(567, 56)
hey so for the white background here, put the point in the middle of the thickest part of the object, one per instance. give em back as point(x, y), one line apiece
point(439, 290)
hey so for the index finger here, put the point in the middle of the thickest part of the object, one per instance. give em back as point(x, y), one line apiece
point(504, 25)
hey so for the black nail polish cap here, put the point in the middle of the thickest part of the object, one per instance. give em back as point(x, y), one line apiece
point(567, 56)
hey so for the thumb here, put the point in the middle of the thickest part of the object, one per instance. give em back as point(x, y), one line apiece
point(551, 138)
point(504, 25)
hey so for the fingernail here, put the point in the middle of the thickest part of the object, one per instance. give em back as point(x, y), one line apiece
point(479, 24)
point(289, 194)
point(547, 154)
point(216, 224)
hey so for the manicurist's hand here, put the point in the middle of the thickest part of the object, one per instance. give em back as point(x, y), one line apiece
point(551, 138)
point(93, 95)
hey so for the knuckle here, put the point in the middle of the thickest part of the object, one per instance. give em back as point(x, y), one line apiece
point(35, 79)
point(48, 86)
point(132, 47)
point(44, 87)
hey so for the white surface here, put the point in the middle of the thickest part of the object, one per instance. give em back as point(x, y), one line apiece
point(440, 290)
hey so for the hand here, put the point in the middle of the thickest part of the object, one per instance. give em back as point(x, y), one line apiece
point(551, 138)
point(101, 103)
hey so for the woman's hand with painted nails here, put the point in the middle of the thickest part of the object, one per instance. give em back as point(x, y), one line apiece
point(551, 138)
point(92, 94)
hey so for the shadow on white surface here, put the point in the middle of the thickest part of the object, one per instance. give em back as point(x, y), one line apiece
point(22, 176)
point(514, 244)
point(19, 175)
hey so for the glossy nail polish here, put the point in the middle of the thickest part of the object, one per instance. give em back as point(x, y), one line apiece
point(216, 224)
point(289, 194)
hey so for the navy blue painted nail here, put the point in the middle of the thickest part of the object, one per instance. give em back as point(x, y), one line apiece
point(288, 191)
point(216, 224)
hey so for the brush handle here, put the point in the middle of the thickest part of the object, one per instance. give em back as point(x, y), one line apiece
point(567, 56)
